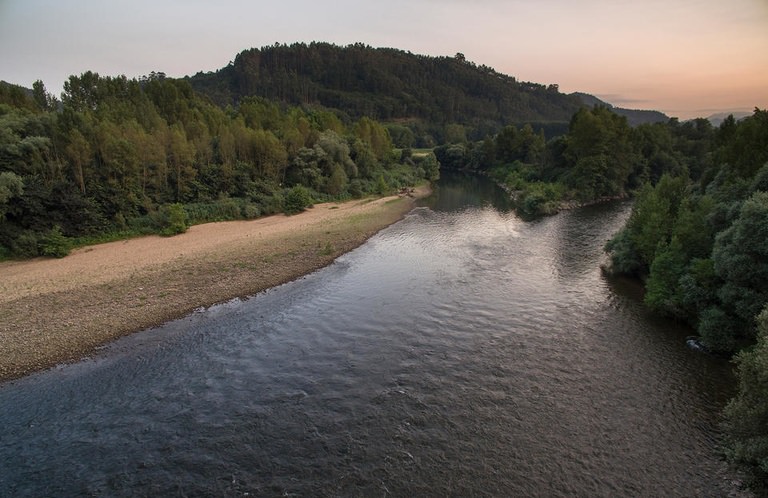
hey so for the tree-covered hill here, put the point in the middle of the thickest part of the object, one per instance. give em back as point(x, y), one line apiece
point(389, 85)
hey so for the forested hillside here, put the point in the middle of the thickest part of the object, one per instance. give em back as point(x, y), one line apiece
point(118, 157)
point(424, 93)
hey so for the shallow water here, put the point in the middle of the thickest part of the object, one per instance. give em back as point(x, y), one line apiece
point(460, 352)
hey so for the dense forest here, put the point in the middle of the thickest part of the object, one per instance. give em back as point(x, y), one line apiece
point(117, 157)
point(599, 157)
point(423, 94)
point(285, 126)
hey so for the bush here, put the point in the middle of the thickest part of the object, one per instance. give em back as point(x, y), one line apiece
point(716, 328)
point(173, 219)
point(55, 244)
point(382, 188)
point(251, 211)
point(25, 245)
point(297, 200)
point(356, 189)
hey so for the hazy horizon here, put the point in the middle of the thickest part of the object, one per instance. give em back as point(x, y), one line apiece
point(686, 58)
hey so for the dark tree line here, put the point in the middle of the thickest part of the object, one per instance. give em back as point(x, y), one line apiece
point(598, 157)
point(426, 93)
point(119, 156)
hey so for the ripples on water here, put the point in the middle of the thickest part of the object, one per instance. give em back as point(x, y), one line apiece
point(460, 352)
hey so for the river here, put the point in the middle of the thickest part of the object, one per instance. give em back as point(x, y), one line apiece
point(460, 352)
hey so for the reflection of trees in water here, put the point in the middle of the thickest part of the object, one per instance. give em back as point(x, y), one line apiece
point(456, 190)
point(577, 230)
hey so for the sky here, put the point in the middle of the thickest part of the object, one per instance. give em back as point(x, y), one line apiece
point(686, 58)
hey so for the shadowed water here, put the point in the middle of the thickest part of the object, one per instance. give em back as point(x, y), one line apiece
point(460, 352)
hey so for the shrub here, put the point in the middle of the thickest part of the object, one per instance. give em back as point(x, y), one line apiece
point(173, 219)
point(55, 244)
point(297, 200)
point(251, 211)
point(25, 245)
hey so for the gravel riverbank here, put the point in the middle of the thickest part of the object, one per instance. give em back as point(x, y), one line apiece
point(60, 310)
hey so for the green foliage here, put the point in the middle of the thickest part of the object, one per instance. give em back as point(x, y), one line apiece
point(11, 185)
point(297, 200)
point(430, 165)
point(172, 219)
point(518, 145)
point(118, 155)
point(667, 268)
point(598, 153)
point(718, 329)
point(55, 244)
point(418, 92)
point(225, 209)
point(625, 258)
point(740, 256)
point(382, 187)
point(702, 245)
point(538, 198)
point(653, 216)
point(746, 415)
point(25, 244)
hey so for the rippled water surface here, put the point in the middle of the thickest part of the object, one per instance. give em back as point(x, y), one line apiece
point(460, 352)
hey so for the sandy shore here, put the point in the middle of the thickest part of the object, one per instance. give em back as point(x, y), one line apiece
point(60, 310)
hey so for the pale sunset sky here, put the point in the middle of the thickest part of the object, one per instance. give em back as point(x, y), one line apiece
point(687, 58)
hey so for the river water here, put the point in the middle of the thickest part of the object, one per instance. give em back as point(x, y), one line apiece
point(460, 352)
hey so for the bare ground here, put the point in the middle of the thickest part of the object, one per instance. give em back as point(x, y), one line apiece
point(60, 310)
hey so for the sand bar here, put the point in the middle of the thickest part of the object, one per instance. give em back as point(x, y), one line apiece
point(60, 310)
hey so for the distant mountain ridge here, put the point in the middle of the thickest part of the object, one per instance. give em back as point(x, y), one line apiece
point(717, 119)
point(634, 117)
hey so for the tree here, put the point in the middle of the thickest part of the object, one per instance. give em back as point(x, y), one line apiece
point(11, 185)
point(44, 100)
point(598, 152)
point(431, 167)
point(740, 255)
point(747, 414)
point(653, 216)
point(79, 153)
point(667, 268)
point(375, 135)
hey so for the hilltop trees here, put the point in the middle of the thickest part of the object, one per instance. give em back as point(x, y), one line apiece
point(426, 95)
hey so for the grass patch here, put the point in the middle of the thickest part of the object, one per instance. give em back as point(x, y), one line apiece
point(327, 250)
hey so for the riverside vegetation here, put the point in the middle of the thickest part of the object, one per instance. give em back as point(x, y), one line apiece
point(118, 157)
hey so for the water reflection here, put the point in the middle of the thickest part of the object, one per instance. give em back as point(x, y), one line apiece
point(459, 352)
